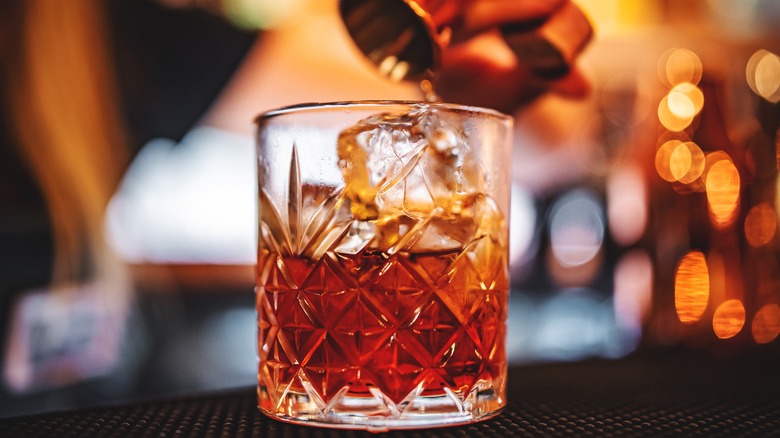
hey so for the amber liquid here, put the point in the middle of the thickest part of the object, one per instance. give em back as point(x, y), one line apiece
point(373, 325)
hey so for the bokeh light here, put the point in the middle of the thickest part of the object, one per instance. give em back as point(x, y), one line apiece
point(633, 290)
point(627, 204)
point(669, 119)
point(710, 159)
point(697, 160)
point(691, 287)
point(722, 185)
point(666, 136)
point(777, 197)
point(766, 323)
point(760, 224)
point(663, 157)
point(678, 65)
point(576, 228)
point(680, 161)
point(763, 75)
point(626, 99)
point(687, 162)
point(260, 14)
point(685, 100)
point(729, 318)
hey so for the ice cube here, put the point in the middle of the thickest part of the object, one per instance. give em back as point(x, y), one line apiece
point(393, 230)
point(419, 158)
point(359, 234)
point(445, 233)
point(415, 177)
point(373, 153)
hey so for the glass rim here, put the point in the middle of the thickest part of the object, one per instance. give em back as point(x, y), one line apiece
point(365, 104)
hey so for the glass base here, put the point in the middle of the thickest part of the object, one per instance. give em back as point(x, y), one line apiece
point(376, 413)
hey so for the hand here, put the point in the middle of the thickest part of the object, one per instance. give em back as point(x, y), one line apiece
point(487, 64)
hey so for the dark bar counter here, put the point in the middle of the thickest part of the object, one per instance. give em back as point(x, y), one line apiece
point(659, 394)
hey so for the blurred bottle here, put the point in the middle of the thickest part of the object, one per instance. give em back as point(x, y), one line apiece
point(715, 221)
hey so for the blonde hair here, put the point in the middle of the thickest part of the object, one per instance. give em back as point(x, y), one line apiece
point(64, 109)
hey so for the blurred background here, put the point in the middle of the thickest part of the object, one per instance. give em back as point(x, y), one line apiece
point(644, 218)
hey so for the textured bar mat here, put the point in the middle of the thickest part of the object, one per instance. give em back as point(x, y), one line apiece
point(641, 396)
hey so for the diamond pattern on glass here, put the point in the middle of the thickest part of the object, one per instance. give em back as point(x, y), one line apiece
point(379, 295)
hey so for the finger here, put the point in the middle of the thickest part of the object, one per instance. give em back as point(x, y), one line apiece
point(480, 15)
point(551, 49)
point(574, 85)
point(484, 72)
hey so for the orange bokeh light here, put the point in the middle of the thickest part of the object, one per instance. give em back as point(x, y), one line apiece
point(722, 185)
point(695, 158)
point(671, 120)
point(711, 159)
point(679, 65)
point(760, 224)
point(680, 161)
point(691, 287)
point(729, 318)
point(685, 100)
point(663, 157)
point(763, 75)
point(676, 160)
point(766, 323)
